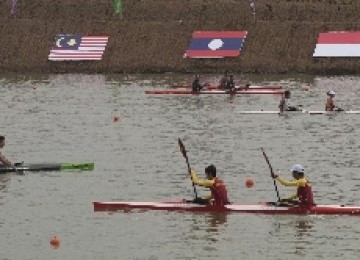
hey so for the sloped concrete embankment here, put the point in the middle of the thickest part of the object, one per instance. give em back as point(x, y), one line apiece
point(153, 34)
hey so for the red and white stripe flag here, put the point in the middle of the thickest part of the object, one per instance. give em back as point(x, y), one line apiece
point(338, 44)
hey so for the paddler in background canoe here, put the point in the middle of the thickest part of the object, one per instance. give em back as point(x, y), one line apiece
point(224, 80)
point(230, 84)
point(330, 102)
point(218, 196)
point(284, 103)
point(304, 195)
point(196, 86)
point(4, 162)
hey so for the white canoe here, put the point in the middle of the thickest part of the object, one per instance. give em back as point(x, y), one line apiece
point(311, 112)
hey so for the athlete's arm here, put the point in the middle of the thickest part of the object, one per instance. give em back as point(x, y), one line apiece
point(201, 182)
point(294, 183)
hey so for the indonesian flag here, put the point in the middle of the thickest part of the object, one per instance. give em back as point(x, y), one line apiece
point(338, 44)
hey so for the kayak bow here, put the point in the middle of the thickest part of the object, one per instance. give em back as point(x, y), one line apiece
point(259, 208)
point(49, 167)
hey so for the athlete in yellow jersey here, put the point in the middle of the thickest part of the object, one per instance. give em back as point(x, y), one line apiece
point(304, 191)
point(218, 196)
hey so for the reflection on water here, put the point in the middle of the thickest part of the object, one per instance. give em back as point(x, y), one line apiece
point(303, 227)
point(205, 227)
point(215, 220)
point(296, 235)
point(4, 182)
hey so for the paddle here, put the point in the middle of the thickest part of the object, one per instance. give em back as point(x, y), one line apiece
point(183, 151)
point(272, 173)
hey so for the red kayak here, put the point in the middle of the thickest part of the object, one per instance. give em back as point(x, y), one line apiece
point(259, 208)
point(209, 87)
point(212, 92)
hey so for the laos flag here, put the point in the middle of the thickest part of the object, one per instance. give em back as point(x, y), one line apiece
point(338, 44)
point(215, 44)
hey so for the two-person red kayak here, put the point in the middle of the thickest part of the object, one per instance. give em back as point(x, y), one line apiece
point(300, 203)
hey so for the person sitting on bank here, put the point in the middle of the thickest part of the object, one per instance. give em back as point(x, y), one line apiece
point(230, 84)
point(224, 80)
point(196, 84)
point(330, 102)
point(284, 105)
point(303, 195)
point(218, 196)
point(4, 162)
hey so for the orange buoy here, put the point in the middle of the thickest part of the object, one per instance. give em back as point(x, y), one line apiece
point(116, 118)
point(249, 183)
point(54, 242)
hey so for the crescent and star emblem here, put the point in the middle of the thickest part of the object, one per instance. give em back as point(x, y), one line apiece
point(58, 42)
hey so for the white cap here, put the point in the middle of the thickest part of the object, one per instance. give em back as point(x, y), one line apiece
point(297, 168)
point(331, 93)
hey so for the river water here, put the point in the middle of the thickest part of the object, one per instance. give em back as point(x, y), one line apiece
point(68, 118)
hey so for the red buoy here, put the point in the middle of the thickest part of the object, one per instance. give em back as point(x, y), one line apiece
point(249, 183)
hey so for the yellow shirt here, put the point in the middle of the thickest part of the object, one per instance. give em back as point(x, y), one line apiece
point(295, 183)
point(202, 182)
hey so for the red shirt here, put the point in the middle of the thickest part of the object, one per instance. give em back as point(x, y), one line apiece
point(305, 195)
point(219, 193)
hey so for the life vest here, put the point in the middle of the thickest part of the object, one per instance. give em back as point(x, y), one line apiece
point(219, 193)
point(305, 195)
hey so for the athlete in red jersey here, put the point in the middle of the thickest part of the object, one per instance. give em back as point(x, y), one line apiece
point(218, 196)
point(304, 191)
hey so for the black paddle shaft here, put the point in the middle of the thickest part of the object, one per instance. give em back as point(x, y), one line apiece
point(183, 151)
point(272, 173)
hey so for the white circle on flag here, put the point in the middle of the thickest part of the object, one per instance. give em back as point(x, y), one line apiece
point(215, 44)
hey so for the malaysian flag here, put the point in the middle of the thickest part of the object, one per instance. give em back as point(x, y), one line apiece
point(338, 44)
point(215, 44)
point(77, 47)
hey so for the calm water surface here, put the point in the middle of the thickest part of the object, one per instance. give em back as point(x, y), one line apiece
point(68, 118)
